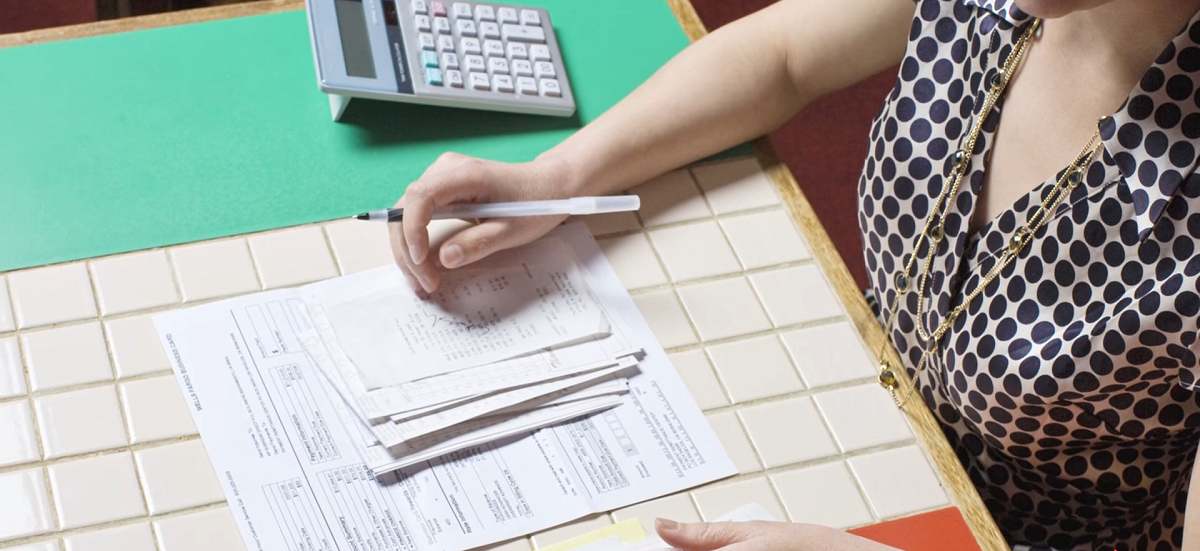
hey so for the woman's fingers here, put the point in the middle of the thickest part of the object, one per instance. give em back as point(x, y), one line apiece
point(452, 180)
point(491, 236)
point(422, 279)
point(704, 536)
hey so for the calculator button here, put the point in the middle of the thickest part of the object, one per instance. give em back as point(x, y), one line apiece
point(522, 68)
point(426, 41)
point(450, 60)
point(441, 25)
point(517, 50)
point(498, 65)
point(544, 69)
point(422, 22)
point(493, 48)
point(489, 29)
point(466, 27)
point(502, 83)
point(445, 43)
point(485, 13)
point(479, 81)
point(437, 8)
point(527, 86)
point(506, 15)
point(454, 78)
point(523, 34)
point(420, 7)
point(429, 59)
point(550, 88)
point(470, 46)
point(433, 77)
point(473, 63)
point(530, 17)
point(539, 52)
point(462, 9)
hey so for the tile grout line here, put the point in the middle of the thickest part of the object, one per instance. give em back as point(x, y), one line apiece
point(92, 528)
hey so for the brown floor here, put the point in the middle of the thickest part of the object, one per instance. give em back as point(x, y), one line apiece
point(824, 145)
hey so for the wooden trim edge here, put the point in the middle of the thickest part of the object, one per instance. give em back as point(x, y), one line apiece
point(143, 22)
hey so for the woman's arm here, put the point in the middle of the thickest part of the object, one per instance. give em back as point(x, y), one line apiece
point(740, 82)
point(1191, 516)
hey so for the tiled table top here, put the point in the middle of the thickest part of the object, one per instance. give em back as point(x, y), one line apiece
point(98, 450)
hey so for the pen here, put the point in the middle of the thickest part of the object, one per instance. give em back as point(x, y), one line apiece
point(514, 209)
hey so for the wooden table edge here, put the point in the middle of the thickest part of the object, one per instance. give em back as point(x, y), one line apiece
point(963, 492)
point(929, 433)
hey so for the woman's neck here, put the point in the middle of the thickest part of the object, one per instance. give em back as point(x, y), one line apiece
point(1122, 37)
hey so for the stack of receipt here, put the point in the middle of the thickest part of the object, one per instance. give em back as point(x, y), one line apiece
point(503, 348)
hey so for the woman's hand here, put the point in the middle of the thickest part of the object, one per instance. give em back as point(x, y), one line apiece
point(456, 178)
point(760, 536)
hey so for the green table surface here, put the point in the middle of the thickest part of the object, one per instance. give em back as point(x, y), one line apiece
point(163, 136)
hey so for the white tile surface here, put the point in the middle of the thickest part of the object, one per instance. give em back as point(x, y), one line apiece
point(754, 368)
point(794, 295)
point(570, 530)
point(178, 476)
point(672, 197)
point(694, 250)
point(25, 507)
point(698, 375)
point(862, 416)
point(764, 238)
point(634, 261)
point(214, 269)
point(80, 421)
point(155, 409)
point(718, 499)
point(7, 322)
point(828, 354)
point(666, 318)
point(517, 544)
point(787, 431)
point(128, 537)
point(723, 308)
point(359, 245)
point(12, 371)
point(134, 282)
point(18, 441)
point(45, 545)
point(823, 494)
point(733, 438)
point(898, 481)
point(52, 294)
point(68, 355)
point(135, 346)
point(292, 256)
point(608, 224)
point(205, 530)
point(734, 185)
point(95, 489)
point(677, 507)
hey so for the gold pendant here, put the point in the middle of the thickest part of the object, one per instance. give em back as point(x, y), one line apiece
point(887, 377)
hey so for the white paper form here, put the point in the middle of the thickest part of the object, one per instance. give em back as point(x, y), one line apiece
point(292, 456)
point(508, 305)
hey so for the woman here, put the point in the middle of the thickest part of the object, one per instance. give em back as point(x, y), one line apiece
point(1029, 211)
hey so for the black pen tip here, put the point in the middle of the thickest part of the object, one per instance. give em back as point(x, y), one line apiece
point(364, 216)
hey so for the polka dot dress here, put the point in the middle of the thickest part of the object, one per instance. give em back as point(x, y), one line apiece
point(1066, 389)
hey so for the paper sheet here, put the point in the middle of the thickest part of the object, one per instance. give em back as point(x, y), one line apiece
point(293, 457)
point(506, 306)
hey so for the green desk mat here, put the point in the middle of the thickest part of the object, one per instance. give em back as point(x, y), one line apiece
point(163, 136)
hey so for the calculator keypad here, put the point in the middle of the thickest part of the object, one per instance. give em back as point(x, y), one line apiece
point(485, 48)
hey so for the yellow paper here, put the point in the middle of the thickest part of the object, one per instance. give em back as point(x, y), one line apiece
point(628, 531)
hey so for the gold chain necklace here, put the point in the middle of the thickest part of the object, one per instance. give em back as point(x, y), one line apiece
point(933, 233)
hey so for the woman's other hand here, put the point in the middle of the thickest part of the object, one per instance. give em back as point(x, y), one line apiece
point(455, 178)
point(760, 536)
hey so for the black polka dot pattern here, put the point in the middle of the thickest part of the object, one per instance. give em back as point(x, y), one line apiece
point(1060, 389)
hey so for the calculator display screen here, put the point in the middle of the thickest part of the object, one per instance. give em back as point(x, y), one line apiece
point(356, 44)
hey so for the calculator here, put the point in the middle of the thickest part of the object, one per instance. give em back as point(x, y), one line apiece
point(449, 53)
